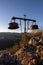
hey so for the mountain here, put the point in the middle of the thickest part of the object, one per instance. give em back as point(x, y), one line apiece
point(9, 39)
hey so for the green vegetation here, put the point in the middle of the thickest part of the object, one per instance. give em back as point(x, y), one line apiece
point(24, 40)
point(13, 48)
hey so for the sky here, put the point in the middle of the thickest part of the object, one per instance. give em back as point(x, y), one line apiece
point(33, 9)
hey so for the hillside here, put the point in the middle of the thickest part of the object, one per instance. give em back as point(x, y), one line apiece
point(29, 51)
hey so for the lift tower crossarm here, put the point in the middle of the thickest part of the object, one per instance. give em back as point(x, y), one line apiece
point(23, 19)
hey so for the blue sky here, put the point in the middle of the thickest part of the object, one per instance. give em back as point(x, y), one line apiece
point(9, 8)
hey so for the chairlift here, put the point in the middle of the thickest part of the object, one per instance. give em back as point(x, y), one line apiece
point(34, 26)
point(13, 25)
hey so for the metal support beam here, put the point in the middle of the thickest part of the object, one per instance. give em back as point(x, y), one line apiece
point(23, 19)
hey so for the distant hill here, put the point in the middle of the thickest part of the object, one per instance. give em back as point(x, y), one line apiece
point(9, 35)
point(9, 39)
